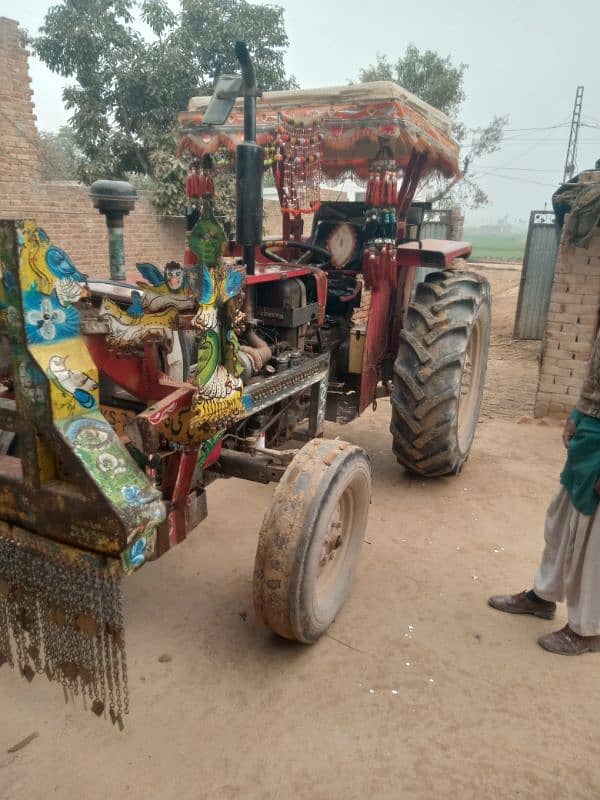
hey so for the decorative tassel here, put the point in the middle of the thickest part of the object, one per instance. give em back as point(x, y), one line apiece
point(62, 609)
point(377, 200)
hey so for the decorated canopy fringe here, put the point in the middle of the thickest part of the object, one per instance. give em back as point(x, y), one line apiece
point(354, 121)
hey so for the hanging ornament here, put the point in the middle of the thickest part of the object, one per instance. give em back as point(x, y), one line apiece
point(193, 183)
point(297, 166)
point(199, 182)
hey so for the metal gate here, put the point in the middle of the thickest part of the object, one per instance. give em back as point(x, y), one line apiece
point(537, 276)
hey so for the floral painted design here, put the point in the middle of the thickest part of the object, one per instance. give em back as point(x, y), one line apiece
point(111, 465)
point(133, 495)
point(90, 434)
point(46, 320)
point(137, 552)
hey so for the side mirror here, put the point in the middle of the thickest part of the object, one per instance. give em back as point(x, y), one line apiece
point(227, 89)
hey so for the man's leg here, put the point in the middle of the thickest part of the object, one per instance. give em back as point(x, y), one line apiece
point(549, 580)
point(582, 589)
point(548, 586)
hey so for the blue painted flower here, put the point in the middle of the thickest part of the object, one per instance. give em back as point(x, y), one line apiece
point(46, 320)
point(133, 495)
point(137, 552)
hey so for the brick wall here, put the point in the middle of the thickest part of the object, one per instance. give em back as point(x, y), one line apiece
point(19, 149)
point(571, 327)
point(64, 210)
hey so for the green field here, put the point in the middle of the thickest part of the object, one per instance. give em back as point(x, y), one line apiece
point(496, 246)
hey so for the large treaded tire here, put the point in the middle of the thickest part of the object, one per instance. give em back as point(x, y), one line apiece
point(439, 373)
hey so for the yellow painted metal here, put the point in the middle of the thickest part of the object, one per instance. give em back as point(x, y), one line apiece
point(357, 349)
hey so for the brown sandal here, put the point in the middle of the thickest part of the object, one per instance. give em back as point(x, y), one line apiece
point(566, 642)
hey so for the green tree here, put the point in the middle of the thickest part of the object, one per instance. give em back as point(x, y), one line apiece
point(129, 86)
point(441, 84)
point(60, 156)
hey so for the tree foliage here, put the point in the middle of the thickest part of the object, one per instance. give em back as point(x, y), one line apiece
point(134, 66)
point(60, 157)
point(439, 82)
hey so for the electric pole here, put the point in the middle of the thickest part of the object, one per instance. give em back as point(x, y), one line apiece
point(572, 148)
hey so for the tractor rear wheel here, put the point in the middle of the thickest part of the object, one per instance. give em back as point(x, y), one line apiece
point(311, 538)
point(439, 373)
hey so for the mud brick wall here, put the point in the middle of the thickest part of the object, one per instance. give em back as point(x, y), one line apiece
point(63, 209)
point(571, 327)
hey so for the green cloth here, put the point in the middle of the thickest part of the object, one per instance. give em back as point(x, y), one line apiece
point(582, 470)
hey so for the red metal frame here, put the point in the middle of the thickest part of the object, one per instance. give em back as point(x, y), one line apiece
point(389, 303)
point(147, 383)
point(437, 253)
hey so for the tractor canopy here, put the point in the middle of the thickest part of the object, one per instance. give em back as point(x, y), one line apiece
point(354, 123)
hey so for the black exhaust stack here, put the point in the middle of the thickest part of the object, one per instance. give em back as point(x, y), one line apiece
point(249, 156)
point(249, 166)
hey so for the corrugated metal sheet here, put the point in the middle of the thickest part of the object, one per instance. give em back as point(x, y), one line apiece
point(433, 229)
point(537, 276)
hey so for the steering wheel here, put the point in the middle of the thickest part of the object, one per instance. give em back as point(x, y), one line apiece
point(324, 256)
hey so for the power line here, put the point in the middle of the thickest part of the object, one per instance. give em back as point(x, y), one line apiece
point(523, 152)
point(492, 167)
point(527, 131)
point(513, 178)
point(548, 141)
point(541, 128)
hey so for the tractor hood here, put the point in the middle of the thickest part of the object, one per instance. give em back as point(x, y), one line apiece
point(354, 121)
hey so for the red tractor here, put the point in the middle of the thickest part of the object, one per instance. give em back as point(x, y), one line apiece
point(348, 288)
point(122, 401)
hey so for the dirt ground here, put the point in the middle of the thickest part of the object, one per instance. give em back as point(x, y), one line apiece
point(420, 690)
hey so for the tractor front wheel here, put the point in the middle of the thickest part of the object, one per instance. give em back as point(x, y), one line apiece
point(311, 538)
point(439, 373)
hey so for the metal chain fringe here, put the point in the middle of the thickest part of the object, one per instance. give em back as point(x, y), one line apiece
point(64, 619)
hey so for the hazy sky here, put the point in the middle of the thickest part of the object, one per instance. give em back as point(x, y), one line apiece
point(525, 57)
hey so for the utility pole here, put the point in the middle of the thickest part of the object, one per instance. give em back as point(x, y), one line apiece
point(572, 148)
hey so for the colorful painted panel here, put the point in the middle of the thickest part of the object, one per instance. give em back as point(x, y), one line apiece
point(57, 370)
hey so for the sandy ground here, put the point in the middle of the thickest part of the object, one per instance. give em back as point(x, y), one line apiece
point(419, 691)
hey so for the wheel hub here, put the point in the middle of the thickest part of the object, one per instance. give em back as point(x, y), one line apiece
point(333, 542)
